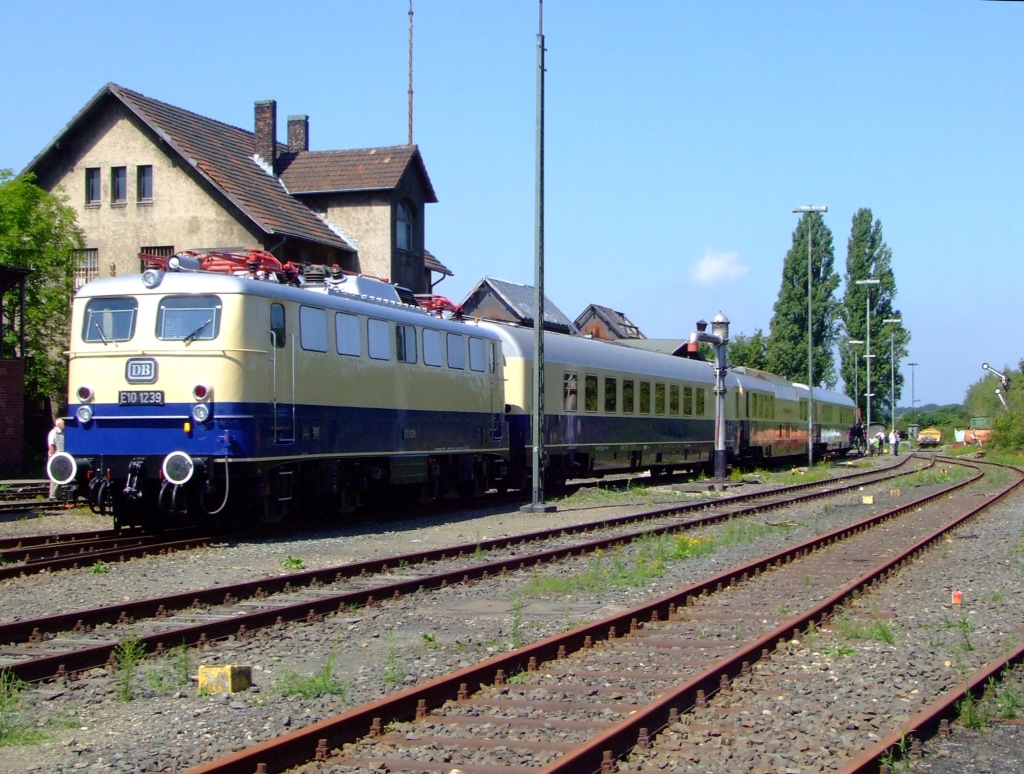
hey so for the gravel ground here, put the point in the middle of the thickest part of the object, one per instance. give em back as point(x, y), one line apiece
point(168, 726)
point(825, 699)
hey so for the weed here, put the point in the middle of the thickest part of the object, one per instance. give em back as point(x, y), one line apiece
point(321, 683)
point(394, 672)
point(840, 651)
point(964, 625)
point(736, 630)
point(100, 568)
point(847, 628)
point(173, 673)
point(783, 610)
point(972, 713)
point(703, 633)
point(881, 631)
point(897, 763)
point(14, 728)
point(293, 563)
point(808, 580)
point(127, 656)
point(518, 679)
point(430, 640)
point(1007, 698)
point(997, 597)
point(517, 625)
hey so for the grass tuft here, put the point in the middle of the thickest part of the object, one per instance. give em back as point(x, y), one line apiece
point(321, 683)
point(293, 563)
point(15, 728)
point(127, 656)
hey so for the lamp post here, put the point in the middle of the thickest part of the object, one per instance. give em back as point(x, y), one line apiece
point(892, 366)
point(856, 375)
point(719, 339)
point(913, 400)
point(807, 209)
point(867, 305)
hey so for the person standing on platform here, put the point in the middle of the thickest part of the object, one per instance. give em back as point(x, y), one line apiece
point(54, 444)
point(894, 442)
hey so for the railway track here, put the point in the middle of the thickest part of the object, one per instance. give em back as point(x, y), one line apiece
point(72, 642)
point(579, 701)
point(46, 553)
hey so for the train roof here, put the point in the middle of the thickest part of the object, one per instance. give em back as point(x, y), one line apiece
point(194, 283)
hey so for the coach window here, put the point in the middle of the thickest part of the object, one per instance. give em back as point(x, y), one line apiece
point(378, 339)
point(700, 401)
point(456, 351)
point(405, 343)
point(433, 354)
point(569, 389)
point(477, 354)
point(611, 388)
point(313, 328)
point(188, 318)
point(659, 398)
point(346, 331)
point(590, 392)
point(277, 326)
point(688, 401)
point(645, 397)
point(673, 399)
point(627, 396)
point(110, 319)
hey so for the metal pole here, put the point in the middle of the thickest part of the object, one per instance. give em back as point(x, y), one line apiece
point(538, 287)
point(892, 377)
point(913, 397)
point(810, 352)
point(867, 387)
point(721, 456)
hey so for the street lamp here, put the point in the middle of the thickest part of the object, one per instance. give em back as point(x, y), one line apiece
point(868, 355)
point(856, 375)
point(892, 366)
point(807, 209)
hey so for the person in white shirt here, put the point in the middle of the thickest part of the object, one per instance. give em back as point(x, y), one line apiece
point(54, 444)
point(894, 442)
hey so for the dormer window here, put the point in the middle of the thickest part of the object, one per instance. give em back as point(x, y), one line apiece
point(404, 225)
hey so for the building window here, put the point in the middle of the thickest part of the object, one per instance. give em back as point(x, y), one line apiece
point(144, 182)
point(404, 236)
point(87, 266)
point(92, 186)
point(118, 185)
point(160, 251)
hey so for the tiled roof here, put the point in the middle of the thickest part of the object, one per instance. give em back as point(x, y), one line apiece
point(369, 169)
point(431, 262)
point(619, 324)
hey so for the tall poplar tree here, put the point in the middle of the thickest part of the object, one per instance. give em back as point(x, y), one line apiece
point(869, 257)
point(787, 346)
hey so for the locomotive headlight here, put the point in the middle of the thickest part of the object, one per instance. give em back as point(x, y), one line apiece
point(62, 468)
point(200, 413)
point(178, 467)
point(85, 394)
point(152, 277)
point(84, 414)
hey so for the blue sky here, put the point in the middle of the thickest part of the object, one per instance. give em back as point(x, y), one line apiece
point(679, 137)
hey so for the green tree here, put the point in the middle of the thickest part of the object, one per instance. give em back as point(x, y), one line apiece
point(38, 232)
point(869, 257)
point(750, 351)
point(787, 346)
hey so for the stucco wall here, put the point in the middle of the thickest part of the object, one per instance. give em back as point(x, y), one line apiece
point(367, 217)
point(184, 213)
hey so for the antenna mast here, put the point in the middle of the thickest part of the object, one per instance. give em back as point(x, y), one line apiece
point(410, 72)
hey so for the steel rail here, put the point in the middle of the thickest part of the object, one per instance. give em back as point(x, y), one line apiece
point(37, 630)
point(312, 742)
point(63, 539)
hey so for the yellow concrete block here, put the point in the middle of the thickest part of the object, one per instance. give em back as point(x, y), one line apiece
point(868, 499)
point(224, 679)
point(894, 492)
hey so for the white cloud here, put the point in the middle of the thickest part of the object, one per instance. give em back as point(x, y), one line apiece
point(717, 267)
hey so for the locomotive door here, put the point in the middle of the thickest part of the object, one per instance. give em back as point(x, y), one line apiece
point(282, 374)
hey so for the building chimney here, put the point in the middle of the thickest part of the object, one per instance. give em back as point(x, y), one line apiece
point(266, 131)
point(298, 133)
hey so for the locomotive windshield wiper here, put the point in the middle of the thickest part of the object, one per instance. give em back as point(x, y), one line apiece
point(99, 330)
point(192, 336)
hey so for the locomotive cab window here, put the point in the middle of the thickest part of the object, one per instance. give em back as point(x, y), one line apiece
point(477, 354)
point(313, 328)
point(456, 351)
point(188, 318)
point(590, 392)
point(569, 391)
point(378, 339)
point(433, 348)
point(346, 331)
point(277, 325)
point(405, 343)
point(110, 319)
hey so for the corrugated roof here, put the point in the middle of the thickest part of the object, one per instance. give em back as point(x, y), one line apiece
point(519, 300)
point(368, 169)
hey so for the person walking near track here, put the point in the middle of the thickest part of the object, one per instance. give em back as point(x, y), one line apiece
point(54, 444)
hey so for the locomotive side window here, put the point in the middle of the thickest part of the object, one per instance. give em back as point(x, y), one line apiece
point(494, 357)
point(688, 401)
point(569, 391)
point(673, 400)
point(645, 397)
point(627, 396)
point(405, 343)
point(456, 351)
point(433, 349)
point(659, 398)
point(346, 331)
point(277, 325)
point(477, 354)
point(188, 318)
point(110, 319)
point(590, 392)
point(378, 339)
point(313, 328)
point(700, 401)
point(611, 388)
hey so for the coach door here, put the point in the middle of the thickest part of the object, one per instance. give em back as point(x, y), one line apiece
point(282, 374)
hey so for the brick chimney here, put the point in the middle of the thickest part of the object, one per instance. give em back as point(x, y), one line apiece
point(266, 131)
point(298, 133)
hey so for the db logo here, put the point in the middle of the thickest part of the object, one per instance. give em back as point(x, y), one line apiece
point(140, 370)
